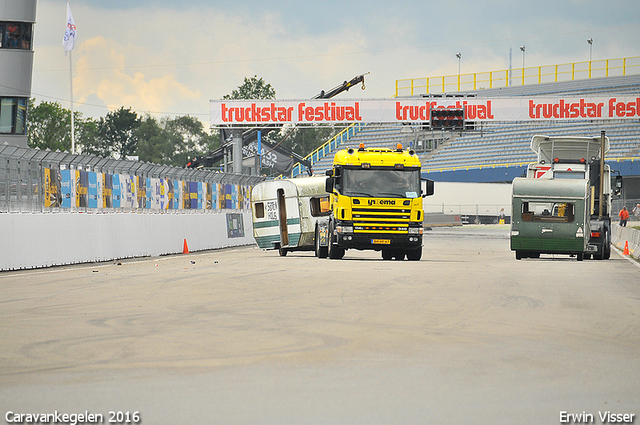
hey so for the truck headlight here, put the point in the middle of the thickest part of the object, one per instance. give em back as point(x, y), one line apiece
point(515, 232)
point(344, 229)
point(415, 230)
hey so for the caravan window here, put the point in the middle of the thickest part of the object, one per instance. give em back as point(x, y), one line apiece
point(320, 206)
point(555, 212)
point(259, 209)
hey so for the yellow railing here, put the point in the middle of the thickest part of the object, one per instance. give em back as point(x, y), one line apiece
point(427, 169)
point(519, 76)
point(328, 147)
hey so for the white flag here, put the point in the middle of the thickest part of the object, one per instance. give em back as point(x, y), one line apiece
point(69, 39)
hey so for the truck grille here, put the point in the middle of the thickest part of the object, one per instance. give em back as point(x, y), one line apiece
point(376, 220)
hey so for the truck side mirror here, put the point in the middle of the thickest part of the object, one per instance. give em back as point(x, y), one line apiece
point(618, 185)
point(328, 185)
point(428, 187)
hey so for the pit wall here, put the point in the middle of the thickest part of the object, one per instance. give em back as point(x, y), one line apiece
point(621, 236)
point(53, 239)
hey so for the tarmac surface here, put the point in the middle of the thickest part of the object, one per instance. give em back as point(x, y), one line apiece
point(467, 335)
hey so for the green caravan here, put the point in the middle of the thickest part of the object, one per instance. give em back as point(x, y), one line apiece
point(550, 216)
point(286, 213)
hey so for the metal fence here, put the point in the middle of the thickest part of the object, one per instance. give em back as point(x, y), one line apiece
point(33, 180)
point(634, 216)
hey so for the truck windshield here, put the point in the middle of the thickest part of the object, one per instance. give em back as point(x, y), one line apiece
point(378, 183)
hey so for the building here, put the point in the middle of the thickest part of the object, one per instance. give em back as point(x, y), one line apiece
point(17, 19)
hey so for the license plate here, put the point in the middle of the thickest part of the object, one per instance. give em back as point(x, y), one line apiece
point(381, 241)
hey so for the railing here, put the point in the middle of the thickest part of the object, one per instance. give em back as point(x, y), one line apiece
point(328, 147)
point(519, 76)
point(427, 169)
point(32, 180)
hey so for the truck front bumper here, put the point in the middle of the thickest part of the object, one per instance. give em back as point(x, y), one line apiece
point(378, 241)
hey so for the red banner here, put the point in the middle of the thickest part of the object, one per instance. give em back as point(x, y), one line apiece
point(256, 112)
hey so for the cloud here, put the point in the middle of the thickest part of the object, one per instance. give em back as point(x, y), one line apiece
point(101, 71)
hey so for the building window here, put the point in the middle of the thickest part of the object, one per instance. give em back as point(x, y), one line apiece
point(15, 35)
point(13, 115)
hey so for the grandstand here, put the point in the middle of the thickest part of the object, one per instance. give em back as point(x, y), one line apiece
point(499, 151)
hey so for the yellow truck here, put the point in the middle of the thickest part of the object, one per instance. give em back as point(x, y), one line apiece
point(375, 198)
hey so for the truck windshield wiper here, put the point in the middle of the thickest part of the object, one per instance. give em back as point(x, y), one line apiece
point(354, 193)
point(395, 195)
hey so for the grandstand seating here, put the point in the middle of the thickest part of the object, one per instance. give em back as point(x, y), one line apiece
point(501, 144)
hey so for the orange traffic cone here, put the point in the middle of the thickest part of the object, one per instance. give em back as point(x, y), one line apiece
point(626, 248)
point(185, 249)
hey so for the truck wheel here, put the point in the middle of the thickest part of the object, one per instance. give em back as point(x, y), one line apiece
point(335, 252)
point(518, 255)
point(321, 251)
point(414, 254)
point(579, 256)
point(387, 254)
point(282, 252)
point(607, 245)
point(399, 255)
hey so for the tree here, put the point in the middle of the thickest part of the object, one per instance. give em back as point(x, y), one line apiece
point(49, 127)
point(300, 140)
point(121, 133)
point(191, 138)
point(155, 144)
point(116, 134)
point(252, 88)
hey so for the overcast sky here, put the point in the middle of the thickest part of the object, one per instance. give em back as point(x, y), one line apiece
point(171, 57)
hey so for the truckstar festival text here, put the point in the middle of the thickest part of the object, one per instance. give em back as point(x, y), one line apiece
point(419, 110)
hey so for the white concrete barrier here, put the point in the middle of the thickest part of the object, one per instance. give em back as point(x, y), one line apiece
point(42, 240)
point(621, 236)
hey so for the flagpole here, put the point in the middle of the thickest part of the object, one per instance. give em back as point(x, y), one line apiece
point(73, 141)
point(68, 42)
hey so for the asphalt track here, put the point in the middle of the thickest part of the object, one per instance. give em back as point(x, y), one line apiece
point(467, 335)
